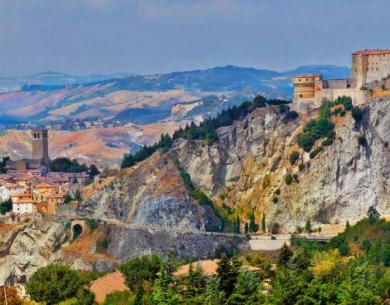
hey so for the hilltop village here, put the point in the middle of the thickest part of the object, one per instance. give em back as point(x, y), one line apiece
point(31, 187)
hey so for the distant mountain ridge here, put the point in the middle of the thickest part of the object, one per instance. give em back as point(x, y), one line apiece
point(55, 79)
point(227, 78)
point(50, 97)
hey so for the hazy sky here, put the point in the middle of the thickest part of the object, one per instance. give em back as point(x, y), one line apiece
point(147, 36)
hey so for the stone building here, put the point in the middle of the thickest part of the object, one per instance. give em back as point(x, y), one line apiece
point(368, 67)
point(40, 154)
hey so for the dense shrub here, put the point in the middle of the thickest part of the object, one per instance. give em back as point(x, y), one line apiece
point(301, 167)
point(92, 224)
point(140, 269)
point(72, 166)
point(53, 284)
point(315, 152)
point(291, 115)
point(294, 156)
point(314, 130)
point(327, 142)
point(288, 178)
point(346, 101)
point(357, 114)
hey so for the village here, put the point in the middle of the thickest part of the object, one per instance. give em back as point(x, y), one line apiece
point(29, 185)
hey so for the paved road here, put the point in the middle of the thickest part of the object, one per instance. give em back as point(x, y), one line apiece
point(268, 243)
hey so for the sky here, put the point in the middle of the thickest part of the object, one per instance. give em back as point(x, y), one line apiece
point(156, 36)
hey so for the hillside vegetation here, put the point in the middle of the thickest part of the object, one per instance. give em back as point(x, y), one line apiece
point(306, 273)
point(207, 129)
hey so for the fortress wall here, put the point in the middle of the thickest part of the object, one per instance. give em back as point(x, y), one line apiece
point(340, 83)
point(358, 96)
point(378, 67)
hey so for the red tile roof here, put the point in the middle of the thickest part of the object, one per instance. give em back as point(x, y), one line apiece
point(306, 76)
point(372, 52)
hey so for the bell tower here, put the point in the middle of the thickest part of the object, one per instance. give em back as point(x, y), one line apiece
point(40, 146)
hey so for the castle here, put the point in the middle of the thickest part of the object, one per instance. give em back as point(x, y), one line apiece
point(40, 154)
point(370, 69)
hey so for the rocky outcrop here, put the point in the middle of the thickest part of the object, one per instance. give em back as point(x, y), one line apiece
point(32, 244)
point(152, 193)
point(250, 159)
point(128, 243)
point(39, 240)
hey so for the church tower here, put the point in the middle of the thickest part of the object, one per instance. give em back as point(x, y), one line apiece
point(40, 146)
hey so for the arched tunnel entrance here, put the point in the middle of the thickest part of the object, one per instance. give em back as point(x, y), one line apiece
point(78, 228)
point(76, 231)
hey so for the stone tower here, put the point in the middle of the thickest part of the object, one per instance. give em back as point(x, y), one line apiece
point(40, 146)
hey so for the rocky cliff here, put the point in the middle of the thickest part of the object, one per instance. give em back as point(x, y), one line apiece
point(151, 193)
point(39, 240)
point(30, 244)
point(249, 161)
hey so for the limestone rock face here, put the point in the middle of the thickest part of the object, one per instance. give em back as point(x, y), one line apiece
point(31, 245)
point(250, 159)
point(127, 243)
point(151, 193)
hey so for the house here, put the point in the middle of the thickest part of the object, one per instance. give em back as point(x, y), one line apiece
point(24, 206)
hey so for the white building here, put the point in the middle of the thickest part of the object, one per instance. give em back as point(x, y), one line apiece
point(25, 206)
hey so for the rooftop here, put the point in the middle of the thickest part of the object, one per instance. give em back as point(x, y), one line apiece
point(45, 185)
point(372, 52)
point(307, 76)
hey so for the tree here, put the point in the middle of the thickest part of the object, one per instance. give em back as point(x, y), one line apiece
point(213, 293)
point(140, 269)
point(301, 260)
point(237, 225)
point(246, 228)
point(294, 156)
point(195, 283)
point(357, 114)
point(263, 227)
point(246, 290)
point(3, 164)
point(163, 291)
point(6, 206)
point(253, 226)
point(227, 274)
point(260, 101)
point(359, 287)
point(93, 171)
point(373, 215)
point(284, 255)
point(53, 284)
point(308, 227)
